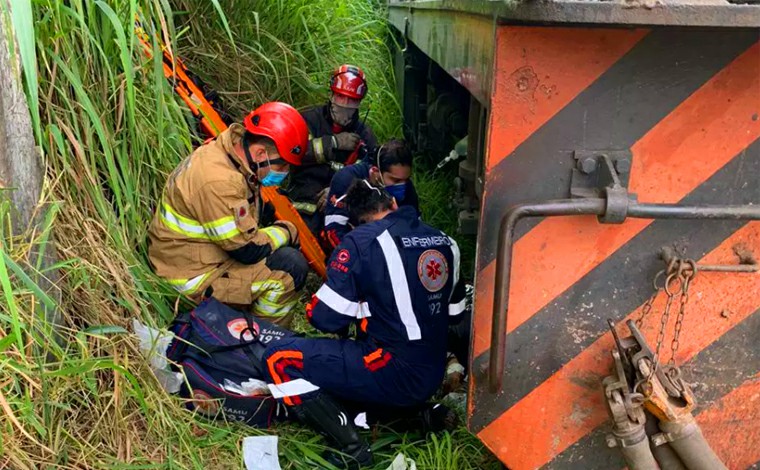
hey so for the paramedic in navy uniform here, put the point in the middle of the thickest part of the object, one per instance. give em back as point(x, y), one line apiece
point(397, 280)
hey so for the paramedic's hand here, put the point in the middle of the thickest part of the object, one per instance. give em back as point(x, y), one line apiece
point(322, 199)
point(346, 141)
point(292, 231)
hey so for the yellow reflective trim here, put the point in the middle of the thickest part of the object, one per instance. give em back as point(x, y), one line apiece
point(189, 286)
point(222, 229)
point(179, 216)
point(176, 225)
point(307, 207)
point(279, 236)
point(276, 310)
point(220, 222)
point(271, 289)
point(319, 150)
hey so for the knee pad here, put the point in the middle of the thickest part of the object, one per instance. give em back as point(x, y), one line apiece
point(291, 261)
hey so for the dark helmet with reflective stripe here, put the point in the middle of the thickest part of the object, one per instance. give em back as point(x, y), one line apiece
point(284, 125)
point(348, 80)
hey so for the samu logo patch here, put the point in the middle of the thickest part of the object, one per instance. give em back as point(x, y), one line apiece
point(240, 325)
point(433, 270)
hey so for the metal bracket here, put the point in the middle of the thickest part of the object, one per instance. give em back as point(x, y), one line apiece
point(747, 262)
point(597, 170)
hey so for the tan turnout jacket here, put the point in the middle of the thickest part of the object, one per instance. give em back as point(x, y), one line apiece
point(207, 209)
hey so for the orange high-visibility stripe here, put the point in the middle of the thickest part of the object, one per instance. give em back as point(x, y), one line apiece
point(717, 120)
point(538, 71)
point(272, 361)
point(730, 425)
point(568, 405)
point(373, 356)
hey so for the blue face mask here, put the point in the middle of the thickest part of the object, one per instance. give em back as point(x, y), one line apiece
point(398, 191)
point(274, 178)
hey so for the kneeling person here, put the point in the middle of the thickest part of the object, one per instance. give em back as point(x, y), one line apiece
point(208, 236)
point(397, 280)
point(391, 169)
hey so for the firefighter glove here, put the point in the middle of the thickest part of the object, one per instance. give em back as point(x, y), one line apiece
point(346, 141)
point(322, 199)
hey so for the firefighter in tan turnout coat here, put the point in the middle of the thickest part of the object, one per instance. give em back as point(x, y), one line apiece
point(212, 235)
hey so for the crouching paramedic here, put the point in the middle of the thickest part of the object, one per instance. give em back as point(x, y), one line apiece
point(397, 280)
point(390, 168)
point(208, 235)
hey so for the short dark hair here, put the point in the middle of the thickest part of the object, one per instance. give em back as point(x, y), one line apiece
point(364, 199)
point(393, 152)
point(263, 140)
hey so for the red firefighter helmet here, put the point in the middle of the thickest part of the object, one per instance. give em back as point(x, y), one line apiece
point(284, 125)
point(348, 80)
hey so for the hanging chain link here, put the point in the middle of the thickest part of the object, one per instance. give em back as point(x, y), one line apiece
point(647, 308)
point(687, 270)
point(678, 277)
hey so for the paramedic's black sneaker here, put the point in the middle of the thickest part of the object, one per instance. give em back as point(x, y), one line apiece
point(426, 418)
point(352, 457)
point(436, 418)
point(326, 416)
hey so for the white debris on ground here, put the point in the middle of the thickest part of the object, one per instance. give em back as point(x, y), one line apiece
point(401, 462)
point(153, 345)
point(248, 388)
point(260, 453)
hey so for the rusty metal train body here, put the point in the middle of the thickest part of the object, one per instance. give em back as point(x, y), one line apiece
point(562, 95)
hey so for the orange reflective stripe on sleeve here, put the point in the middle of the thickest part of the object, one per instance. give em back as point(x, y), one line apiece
point(277, 363)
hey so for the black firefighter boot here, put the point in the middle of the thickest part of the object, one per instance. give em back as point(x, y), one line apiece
point(329, 418)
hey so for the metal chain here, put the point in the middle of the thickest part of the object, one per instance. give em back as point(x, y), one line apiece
point(687, 271)
point(663, 322)
point(682, 272)
point(647, 307)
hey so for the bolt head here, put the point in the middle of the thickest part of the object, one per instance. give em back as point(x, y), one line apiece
point(587, 165)
point(623, 165)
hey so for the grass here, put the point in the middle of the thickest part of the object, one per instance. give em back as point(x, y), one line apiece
point(110, 129)
point(286, 50)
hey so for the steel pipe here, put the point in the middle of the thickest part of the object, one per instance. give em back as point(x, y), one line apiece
point(687, 440)
point(504, 262)
point(665, 456)
point(675, 211)
point(565, 207)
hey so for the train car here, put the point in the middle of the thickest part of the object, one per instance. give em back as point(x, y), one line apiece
point(612, 173)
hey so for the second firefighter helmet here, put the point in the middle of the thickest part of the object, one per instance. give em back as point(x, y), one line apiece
point(348, 86)
point(284, 125)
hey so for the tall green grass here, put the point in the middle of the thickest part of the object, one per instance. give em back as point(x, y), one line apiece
point(286, 50)
point(110, 129)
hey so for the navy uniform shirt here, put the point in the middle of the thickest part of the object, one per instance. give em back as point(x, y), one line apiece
point(399, 279)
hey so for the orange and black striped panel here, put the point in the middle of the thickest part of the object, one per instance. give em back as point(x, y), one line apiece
point(686, 103)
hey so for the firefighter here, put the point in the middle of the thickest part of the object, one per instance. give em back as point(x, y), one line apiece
point(212, 235)
point(336, 137)
point(391, 168)
point(396, 280)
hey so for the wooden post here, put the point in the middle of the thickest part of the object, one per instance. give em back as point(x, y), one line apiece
point(22, 171)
